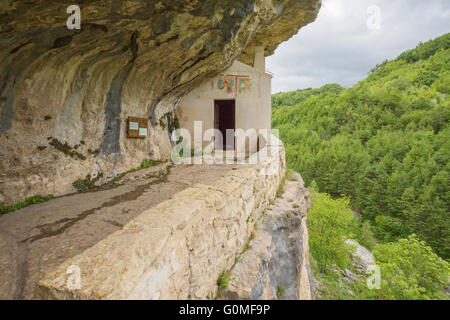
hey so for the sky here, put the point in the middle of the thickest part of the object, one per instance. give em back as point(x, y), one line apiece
point(349, 37)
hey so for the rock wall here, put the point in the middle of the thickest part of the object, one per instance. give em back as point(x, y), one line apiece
point(65, 94)
point(179, 248)
point(275, 264)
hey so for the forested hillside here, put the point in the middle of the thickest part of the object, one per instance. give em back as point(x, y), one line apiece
point(384, 145)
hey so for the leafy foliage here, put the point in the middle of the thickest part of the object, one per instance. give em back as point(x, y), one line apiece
point(426, 50)
point(145, 164)
point(383, 143)
point(362, 231)
point(280, 292)
point(295, 97)
point(27, 202)
point(329, 222)
point(223, 281)
point(87, 183)
point(411, 270)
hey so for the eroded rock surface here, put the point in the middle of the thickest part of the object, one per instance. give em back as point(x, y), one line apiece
point(362, 257)
point(65, 94)
point(276, 263)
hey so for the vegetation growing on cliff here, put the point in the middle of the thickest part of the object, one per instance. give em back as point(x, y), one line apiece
point(87, 183)
point(145, 164)
point(22, 204)
point(223, 282)
point(382, 143)
point(409, 269)
point(328, 224)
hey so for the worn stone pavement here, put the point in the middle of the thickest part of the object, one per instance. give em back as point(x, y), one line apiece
point(38, 238)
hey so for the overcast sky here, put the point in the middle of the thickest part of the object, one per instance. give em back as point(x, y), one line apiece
point(347, 40)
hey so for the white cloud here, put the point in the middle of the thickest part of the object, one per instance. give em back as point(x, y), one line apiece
point(339, 47)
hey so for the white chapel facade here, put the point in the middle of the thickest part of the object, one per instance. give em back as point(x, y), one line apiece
point(237, 99)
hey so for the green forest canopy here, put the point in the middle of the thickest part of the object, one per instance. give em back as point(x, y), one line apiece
point(383, 143)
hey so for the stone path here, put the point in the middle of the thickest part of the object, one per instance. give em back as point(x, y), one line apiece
point(38, 238)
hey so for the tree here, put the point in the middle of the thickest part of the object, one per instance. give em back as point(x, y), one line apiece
point(329, 222)
point(411, 270)
point(383, 143)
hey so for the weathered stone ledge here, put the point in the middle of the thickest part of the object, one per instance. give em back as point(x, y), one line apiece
point(177, 249)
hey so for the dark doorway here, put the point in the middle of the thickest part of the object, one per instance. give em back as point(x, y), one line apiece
point(224, 118)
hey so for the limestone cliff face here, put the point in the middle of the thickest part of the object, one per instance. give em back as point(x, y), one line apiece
point(65, 94)
point(275, 264)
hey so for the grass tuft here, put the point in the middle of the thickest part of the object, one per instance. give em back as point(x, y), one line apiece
point(27, 202)
point(145, 164)
point(280, 292)
point(87, 183)
point(223, 282)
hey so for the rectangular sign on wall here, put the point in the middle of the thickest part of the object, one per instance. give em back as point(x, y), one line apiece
point(137, 127)
point(232, 84)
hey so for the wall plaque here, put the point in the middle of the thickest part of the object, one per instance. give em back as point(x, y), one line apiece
point(137, 127)
point(143, 132)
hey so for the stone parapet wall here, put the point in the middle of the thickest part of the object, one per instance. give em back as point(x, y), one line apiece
point(177, 249)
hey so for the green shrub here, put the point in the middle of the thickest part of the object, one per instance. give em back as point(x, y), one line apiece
point(366, 237)
point(87, 183)
point(382, 143)
point(281, 292)
point(280, 189)
point(27, 202)
point(329, 223)
point(145, 164)
point(411, 270)
point(223, 281)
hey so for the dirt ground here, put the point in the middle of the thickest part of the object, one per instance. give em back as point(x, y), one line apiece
point(36, 239)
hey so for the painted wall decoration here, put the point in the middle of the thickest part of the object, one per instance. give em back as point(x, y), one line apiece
point(227, 83)
point(244, 84)
point(232, 84)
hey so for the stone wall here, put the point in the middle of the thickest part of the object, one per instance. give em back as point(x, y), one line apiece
point(177, 249)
